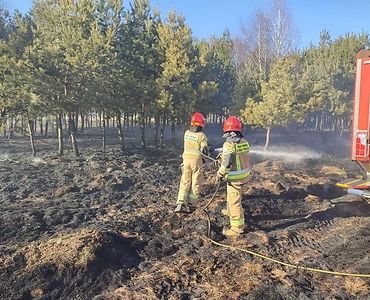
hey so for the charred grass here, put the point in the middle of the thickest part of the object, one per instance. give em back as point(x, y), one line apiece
point(101, 227)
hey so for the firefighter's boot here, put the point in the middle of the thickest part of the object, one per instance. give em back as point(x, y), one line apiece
point(182, 208)
point(233, 232)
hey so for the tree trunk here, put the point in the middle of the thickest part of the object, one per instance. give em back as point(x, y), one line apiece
point(142, 126)
point(2, 119)
point(173, 131)
point(120, 130)
point(157, 124)
point(72, 133)
point(60, 134)
point(103, 127)
point(46, 127)
point(147, 122)
point(41, 125)
point(82, 124)
point(322, 123)
point(161, 137)
point(75, 120)
point(341, 126)
point(10, 128)
point(316, 123)
point(267, 138)
point(32, 136)
point(124, 120)
point(71, 126)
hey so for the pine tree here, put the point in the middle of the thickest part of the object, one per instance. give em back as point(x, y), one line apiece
point(280, 98)
point(71, 44)
point(177, 94)
point(17, 89)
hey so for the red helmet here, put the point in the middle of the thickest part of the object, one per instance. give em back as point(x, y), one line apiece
point(232, 124)
point(198, 120)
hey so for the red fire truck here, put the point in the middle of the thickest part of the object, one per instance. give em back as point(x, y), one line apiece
point(360, 149)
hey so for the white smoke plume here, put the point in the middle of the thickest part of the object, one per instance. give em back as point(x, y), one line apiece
point(292, 154)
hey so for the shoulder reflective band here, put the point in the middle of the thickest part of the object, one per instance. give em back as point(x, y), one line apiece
point(244, 147)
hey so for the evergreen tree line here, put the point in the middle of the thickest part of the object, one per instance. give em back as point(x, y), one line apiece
point(69, 60)
point(309, 90)
point(85, 62)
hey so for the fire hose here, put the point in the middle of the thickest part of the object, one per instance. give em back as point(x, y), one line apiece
point(289, 265)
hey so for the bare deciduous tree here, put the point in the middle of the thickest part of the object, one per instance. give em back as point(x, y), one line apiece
point(239, 53)
point(258, 43)
point(282, 31)
point(269, 36)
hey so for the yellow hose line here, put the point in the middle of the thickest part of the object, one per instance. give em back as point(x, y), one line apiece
point(204, 209)
point(291, 265)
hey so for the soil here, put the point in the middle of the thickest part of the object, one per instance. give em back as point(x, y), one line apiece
point(101, 226)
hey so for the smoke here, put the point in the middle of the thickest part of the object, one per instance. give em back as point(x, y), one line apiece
point(291, 154)
point(36, 161)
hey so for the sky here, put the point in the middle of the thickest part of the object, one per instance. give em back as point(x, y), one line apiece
point(212, 17)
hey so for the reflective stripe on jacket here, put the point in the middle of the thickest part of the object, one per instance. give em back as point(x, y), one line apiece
point(194, 143)
point(235, 165)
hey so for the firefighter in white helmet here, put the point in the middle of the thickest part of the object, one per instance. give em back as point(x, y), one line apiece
point(235, 169)
point(195, 143)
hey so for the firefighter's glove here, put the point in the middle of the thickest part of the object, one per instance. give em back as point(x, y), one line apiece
point(217, 162)
point(205, 151)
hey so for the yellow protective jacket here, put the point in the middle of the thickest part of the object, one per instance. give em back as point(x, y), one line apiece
point(194, 144)
point(235, 164)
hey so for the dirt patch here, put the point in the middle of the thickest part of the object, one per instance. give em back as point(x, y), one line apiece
point(85, 259)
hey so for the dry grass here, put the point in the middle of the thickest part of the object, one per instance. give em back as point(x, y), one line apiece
point(251, 268)
point(208, 280)
point(332, 170)
point(311, 198)
point(76, 248)
point(357, 286)
point(281, 275)
point(124, 293)
point(37, 293)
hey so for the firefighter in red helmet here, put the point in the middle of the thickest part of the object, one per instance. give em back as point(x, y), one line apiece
point(195, 143)
point(235, 169)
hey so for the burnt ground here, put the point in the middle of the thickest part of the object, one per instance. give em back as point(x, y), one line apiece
point(101, 227)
